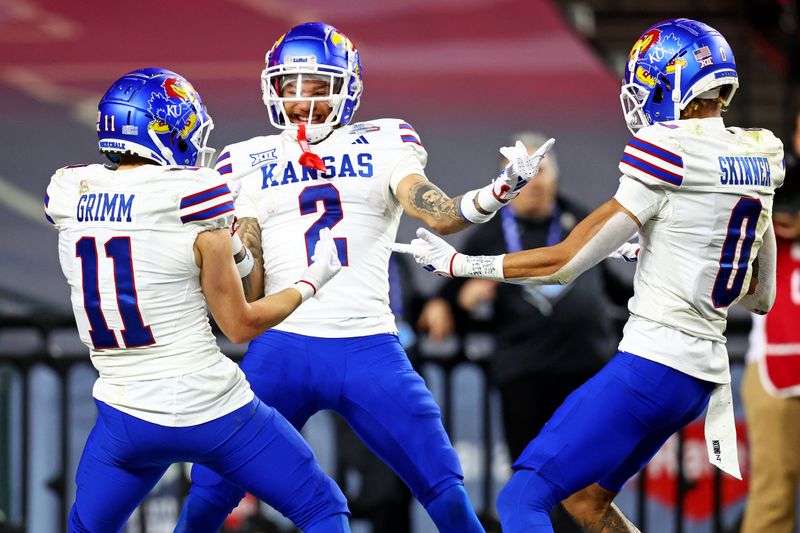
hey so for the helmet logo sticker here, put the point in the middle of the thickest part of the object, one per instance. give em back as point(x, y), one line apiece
point(665, 47)
point(644, 77)
point(703, 57)
point(722, 54)
point(644, 43)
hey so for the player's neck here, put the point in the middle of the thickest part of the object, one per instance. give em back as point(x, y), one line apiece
point(131, 162)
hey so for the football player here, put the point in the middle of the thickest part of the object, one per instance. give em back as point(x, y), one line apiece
point(342, 352)
point(700, 196)
point(145, 242)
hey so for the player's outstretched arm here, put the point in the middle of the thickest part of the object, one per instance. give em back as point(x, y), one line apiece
point(249, 231)
point(239, 320)
point(596, 237)
point(427, 203)
point(591, 241)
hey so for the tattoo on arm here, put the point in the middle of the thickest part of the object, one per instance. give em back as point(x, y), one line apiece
point(250, 233)
point(429, 199)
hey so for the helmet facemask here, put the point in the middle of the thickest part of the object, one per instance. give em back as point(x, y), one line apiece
point(322, 87)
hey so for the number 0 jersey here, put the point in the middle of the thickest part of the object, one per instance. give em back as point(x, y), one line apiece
point(354, 197)
point(704, 195)
point(126, 247)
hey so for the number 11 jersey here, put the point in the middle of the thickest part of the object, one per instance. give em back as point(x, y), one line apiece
point(354, 197)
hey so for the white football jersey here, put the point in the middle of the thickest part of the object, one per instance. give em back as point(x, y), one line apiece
point(354, 197)
point(704, 195)
point(126, 240)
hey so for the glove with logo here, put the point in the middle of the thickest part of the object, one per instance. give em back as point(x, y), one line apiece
point(435, 255)
point(521, 169)
point(325, 265)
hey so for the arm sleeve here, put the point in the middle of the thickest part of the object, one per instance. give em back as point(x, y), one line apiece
point(207, 203)
point(617, 230)
point(760, 302)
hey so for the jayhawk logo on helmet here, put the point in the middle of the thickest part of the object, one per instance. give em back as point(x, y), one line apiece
point(161, 118)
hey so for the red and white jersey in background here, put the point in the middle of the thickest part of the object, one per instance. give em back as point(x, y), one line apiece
point(775, 337)
point(354, 197)
point(126, 247)
point(706, 194)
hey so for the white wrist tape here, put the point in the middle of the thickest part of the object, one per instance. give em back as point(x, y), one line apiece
point(236, 244)
point(488, 201)
point(305, 288)
point(470, 212)
point(246, 264)
point(478, 266)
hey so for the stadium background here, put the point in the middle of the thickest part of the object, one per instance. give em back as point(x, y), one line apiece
point(465, 73)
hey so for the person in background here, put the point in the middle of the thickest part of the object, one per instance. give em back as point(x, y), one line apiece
point(771, 383)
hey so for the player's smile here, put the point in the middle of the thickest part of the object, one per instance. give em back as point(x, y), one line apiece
point(299, 111)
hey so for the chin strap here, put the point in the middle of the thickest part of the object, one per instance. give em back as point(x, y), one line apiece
point(308, 158)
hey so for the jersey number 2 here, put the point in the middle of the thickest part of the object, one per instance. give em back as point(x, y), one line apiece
point(735, 257)
point(118, 249)
point(331, 215)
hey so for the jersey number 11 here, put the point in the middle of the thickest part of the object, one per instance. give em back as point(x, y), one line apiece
point(118, 249)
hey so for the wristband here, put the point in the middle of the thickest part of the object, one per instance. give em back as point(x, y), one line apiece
point(236, 244)
point(470, 212)
point(246, 264)
point(478, 266)
point(305, 288)
point(488, 201)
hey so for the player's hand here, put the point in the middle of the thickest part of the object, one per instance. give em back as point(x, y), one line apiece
point(521, 169)
point(628, 252)
point(430, 251)
point(325, 262)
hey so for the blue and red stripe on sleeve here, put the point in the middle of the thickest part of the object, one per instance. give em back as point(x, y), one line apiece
point(645, 157)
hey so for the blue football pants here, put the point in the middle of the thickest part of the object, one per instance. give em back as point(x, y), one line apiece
point(604, 432)
point(254, 446)
point(371, 383)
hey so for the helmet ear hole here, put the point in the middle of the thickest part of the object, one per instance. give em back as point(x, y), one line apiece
point(658, 94)
point(182, 145)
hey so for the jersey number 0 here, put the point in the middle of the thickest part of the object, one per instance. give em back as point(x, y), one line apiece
point(735, 257)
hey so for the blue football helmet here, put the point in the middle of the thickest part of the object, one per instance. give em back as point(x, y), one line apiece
point(672, 63)
point(156, 114)
point(314, 51)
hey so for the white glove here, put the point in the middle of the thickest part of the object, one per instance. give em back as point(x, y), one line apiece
point(521, 169)
point(431, 252)
point(628, 252)
point(435, 255)
point(325, 265)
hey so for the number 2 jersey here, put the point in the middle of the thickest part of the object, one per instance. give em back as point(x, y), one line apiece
point(703, 193)
point(354, 197)
point(126, 247)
